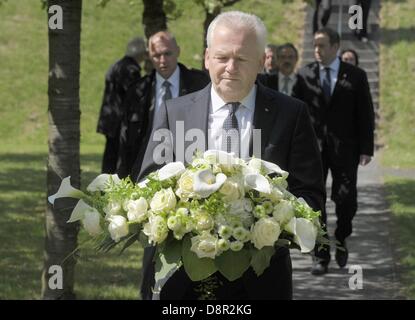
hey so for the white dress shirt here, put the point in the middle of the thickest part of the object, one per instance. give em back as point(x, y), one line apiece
point(218, 113)
point(291, 82)
point(334, 72)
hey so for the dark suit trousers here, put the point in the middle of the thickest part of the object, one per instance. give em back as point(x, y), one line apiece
point(343, 193)
point(325, 17)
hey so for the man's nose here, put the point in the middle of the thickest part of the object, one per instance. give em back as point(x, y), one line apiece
point(231, 66)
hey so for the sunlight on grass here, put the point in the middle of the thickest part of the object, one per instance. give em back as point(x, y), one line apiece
point(397, 75)
point(401, 198)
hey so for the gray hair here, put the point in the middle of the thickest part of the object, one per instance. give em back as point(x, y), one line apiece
point(238, 20)
point(136, 48)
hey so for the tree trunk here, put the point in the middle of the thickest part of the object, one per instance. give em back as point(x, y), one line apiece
point(63, 141)
point(154, 20)
point(154, 17)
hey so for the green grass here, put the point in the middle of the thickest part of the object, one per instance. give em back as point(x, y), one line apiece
point(397, 76)
point(401, 197)
point(397, 70)
point(24, 121)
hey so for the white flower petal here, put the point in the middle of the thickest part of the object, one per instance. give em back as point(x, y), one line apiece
point(91, 222)
point(66, 190)
point(205, 182)
point(143, 183)
point(257, 182)
point(306, 235)
point(78, 212)
point(272, 167)
point(170, 170)
point(100, 182)
point(291, 225)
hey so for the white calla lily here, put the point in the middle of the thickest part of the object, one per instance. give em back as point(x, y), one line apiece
point(306, 235)
point(304, 231)
point(205, 182)
point(101, 182)
point(170, 170)
point(66, 191)
point(273, 168)
point(257, 182)
point(255, 165)
point(78, 212)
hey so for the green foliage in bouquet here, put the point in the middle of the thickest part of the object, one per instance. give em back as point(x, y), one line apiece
point(218, 214)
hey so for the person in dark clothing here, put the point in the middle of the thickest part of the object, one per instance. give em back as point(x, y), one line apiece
point(117, 81)
point(340, 105)
point(169, 79)
point(284, 79)
point(234, 56)
point(362, 33)
point(350, 56)
point(326, 5)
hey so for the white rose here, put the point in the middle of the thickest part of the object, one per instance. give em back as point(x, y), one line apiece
point(156, 229)
point(203, 221)
point(283, 212)
point(112, 208)
point(185, 189)
point(91, 222)
point(205, 245)
point(265, 232)
point(137, 210)
point(231, 190)
point(163, 200)
point(117, 227)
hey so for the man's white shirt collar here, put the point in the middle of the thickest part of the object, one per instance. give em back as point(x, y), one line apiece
point(218, 103)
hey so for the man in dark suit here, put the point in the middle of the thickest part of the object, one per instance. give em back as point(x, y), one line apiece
point(234, 57)
point(117, 81)
point(285, 78)
point(169, 79)
point(341, 110)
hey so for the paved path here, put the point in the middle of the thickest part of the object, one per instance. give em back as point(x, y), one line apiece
point(370, 245)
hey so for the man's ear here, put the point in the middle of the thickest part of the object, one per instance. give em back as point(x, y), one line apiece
point(178, 51)
point(207, 59)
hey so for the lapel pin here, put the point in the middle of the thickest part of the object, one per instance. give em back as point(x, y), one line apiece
point(266, 110)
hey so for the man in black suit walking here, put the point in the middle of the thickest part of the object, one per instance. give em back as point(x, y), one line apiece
point(143, 101)
point(340, 106)
point(234, 57)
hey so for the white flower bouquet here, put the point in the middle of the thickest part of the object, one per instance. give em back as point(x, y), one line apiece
point(220, 213)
